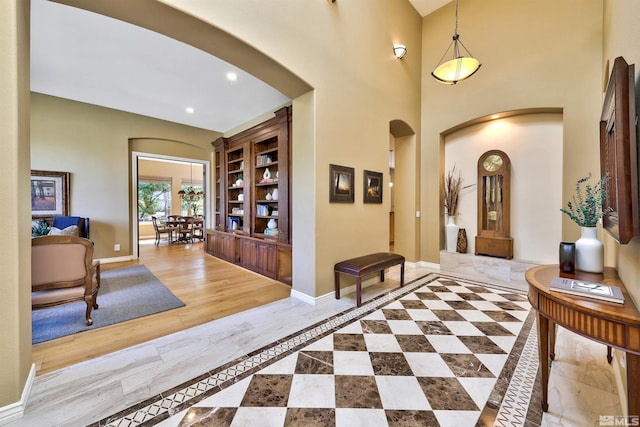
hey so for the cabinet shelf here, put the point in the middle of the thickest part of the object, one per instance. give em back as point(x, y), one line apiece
point(241, 238)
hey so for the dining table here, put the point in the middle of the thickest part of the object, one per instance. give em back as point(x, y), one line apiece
point(182, 228)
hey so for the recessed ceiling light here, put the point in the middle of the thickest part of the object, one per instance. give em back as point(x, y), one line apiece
point(231, 76)
point(495, 116)
point(190, 110)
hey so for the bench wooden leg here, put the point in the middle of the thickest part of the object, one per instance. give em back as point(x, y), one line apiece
point(358, 289)
point(402, 274)
point(337, 280)
point(382, 275)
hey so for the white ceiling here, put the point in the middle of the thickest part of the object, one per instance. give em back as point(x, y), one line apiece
point(86, 57)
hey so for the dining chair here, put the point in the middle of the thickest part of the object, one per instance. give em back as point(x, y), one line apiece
point(160, 230)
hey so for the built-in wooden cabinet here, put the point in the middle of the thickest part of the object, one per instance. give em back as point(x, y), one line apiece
point(252, 202)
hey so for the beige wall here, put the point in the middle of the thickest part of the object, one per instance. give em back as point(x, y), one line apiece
point(344, 51)
point(531, 58)
point(15, 251)
point(622, 38)
point(95, 144)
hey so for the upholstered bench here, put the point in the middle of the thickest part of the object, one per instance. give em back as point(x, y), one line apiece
point(364, 265)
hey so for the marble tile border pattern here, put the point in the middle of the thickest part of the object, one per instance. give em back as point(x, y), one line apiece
point(172, 401)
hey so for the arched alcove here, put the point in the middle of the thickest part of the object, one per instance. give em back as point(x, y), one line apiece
point(405, 192)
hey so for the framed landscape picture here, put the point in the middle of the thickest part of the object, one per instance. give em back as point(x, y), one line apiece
point(340, 184)
point(49, 193)
point(372, 187)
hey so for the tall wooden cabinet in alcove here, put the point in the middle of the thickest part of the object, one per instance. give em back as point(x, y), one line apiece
point(252, 201)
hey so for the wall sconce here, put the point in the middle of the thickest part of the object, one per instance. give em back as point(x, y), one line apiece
point(399, 50)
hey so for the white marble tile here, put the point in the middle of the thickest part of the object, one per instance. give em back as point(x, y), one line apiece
point(399, 392)
point(352, 363)
point(350, 417)
point(428, 365)
point(383, 343)
point(312, 391)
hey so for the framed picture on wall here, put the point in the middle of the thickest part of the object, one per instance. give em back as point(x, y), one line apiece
point(340, 184)
point(618, 153)
point(372, 187)
point(49, 193)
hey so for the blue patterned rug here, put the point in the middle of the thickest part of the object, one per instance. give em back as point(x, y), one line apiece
point(125, 293)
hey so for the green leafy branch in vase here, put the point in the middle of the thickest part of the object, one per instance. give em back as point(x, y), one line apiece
point(586, 207)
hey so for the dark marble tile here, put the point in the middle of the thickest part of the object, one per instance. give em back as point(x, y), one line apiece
point(268, 390)
point(208, 417)
point(514, 297)
point(446, 393)
point(501, 316)
point(314, 362)
point(450, 315)
point(439, 288)
point(468, 296)
point(396, 314)
point(375, 327)
point(478, 289)
point(353, 391)
point(427, 296)
point(508, 306)
point(399, 418)
point(446, 282)
point(461, 305)
point(390, 364)
point(349, 342)
point(310, 417)
point(491, 328)
point(415, 344)
point(466, 365)
point(413, 304)
point(481, 345)
point(429, 327)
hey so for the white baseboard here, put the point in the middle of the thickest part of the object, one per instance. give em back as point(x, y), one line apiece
point(116, 259)
point(426, 264)
point(15, 411)
point(311, 300)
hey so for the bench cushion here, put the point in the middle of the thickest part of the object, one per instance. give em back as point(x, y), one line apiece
point(368, 264)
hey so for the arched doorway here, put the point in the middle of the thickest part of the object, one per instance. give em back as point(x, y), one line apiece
point(405, 191)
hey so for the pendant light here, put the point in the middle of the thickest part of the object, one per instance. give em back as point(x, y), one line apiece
point(461, 66)
point(191, 195)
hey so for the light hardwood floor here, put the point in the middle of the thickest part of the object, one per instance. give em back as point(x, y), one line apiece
point(209, 287)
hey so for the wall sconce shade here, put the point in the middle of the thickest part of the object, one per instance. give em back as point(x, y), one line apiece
point(461, 66)
point(399, 50)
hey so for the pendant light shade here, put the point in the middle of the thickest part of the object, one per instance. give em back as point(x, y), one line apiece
point(461, 66)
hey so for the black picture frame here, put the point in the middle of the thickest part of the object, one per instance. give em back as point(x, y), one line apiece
point(341, 184)
point(372, 187)
point(619, 155)
point(49, 194)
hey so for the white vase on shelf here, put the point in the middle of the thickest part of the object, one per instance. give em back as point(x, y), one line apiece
point(272, 223)
point(274, 195)
point(589, 251)
point(451, 232)
point(266, 174)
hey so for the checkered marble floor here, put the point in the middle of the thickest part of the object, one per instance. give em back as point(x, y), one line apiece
point(437, 352)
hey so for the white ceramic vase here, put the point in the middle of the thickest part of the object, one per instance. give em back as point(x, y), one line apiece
point(274, 195)
point(272, 223)
point(589, 251)
point(451, 232)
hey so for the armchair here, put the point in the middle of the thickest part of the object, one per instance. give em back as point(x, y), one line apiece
point(63, 271)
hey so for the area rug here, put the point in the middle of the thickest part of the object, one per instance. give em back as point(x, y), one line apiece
point(437, 352)
point(125, 293)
